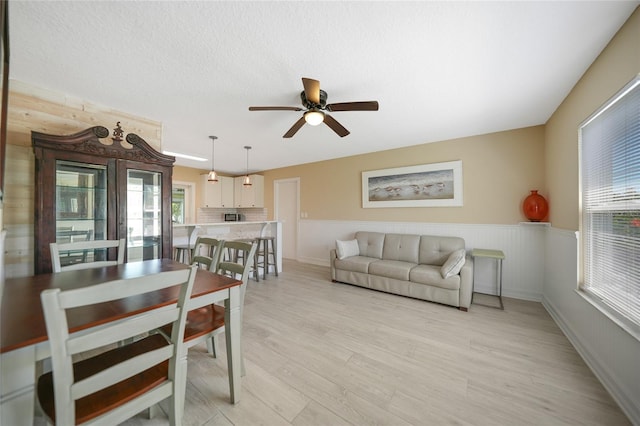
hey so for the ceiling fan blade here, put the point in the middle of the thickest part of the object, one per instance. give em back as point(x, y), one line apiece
point(294, 129)
point(311, 90)
point(274, 108)
point(335, 126)
point(354, 106)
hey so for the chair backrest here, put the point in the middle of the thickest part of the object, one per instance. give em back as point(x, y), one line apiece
point(239, 270)
point(207, 252)
point(67, 389)
point(88, 251)
point(63, 234)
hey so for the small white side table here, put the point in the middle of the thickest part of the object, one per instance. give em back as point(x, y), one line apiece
point(498, 256)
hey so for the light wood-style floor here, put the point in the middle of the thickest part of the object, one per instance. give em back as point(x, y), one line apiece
point(319, 353)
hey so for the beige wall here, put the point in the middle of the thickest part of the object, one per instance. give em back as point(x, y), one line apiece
point(187, 174)
point(497, 173)
point(618, 64)
point(499, 170)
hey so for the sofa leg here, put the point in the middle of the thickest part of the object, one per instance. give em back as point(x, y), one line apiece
point(463, 309)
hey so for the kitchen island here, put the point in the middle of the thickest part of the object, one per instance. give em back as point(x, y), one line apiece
point(189, 232)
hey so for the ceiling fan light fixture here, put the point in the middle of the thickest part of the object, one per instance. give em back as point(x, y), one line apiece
point(213, 177)
point(314, 117)
point(315, 104)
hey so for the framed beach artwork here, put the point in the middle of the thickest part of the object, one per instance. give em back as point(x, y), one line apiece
point(427, 185)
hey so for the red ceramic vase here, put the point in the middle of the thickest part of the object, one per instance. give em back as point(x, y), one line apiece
point(535, 207)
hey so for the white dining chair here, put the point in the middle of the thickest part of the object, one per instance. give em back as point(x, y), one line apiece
point(89, 250)
point(204, 324)
point(115, 385)
point(206, 253)
point(239, 270)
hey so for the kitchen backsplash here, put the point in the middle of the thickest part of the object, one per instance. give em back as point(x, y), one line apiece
point(215, 215)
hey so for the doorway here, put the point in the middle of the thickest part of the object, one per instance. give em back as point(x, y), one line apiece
point(286, 194)
point(183, 202)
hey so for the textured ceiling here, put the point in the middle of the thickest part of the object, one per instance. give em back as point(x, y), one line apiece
point(439, 70)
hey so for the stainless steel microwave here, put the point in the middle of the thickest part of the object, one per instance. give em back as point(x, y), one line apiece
point(232, 217)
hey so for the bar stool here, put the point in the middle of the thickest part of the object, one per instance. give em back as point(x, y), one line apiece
point(267, 251)
point(183, 252)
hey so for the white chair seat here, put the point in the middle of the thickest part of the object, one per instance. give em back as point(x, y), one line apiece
point(117, 384)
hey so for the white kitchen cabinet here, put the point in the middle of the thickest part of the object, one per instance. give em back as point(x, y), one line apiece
point(249, 196)
point(219, 194)
point(227, 190)
point(211, 192)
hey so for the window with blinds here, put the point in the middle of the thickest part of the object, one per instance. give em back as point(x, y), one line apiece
point(610, 193)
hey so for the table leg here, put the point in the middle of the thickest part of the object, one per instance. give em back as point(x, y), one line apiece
point(500, 283)
point(233, 335)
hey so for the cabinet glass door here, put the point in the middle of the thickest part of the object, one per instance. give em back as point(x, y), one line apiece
point(144, 215)
point(81, 207)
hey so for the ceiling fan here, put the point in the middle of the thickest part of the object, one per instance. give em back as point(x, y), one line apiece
point(316, 107)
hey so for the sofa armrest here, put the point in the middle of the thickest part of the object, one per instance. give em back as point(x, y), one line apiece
point(466, 282)
point(332, 262)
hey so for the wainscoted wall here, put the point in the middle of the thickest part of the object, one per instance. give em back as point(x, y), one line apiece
point(523, 246)
point(611, 352)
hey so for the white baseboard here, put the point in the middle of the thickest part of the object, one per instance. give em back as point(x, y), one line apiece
point(622, 396)
point(523, 295)
point(314, 261)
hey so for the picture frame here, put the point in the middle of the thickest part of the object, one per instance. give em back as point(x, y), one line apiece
point(426, 185)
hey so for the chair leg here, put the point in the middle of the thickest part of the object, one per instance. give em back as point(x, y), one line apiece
point(256, 272)
point(273, 255)
point(213, 347)
point(153, 411)
point(177, 402)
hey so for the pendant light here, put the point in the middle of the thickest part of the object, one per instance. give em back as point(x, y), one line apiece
point(247, 180)
point(213, 177)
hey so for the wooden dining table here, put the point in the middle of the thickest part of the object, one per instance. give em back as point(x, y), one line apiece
point(23, 334)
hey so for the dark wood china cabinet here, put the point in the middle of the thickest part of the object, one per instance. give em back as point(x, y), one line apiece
point(87, 189)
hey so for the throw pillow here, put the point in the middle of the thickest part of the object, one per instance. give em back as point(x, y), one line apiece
point(347, 248)
point(453, 264)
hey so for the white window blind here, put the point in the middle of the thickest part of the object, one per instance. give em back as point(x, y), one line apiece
point(610, 184)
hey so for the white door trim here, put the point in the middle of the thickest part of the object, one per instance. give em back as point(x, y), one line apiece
point(276, 212)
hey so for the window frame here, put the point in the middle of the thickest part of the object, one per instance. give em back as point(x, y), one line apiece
point(620, 318)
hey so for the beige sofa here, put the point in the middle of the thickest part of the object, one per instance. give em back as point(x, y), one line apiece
point(425, 267)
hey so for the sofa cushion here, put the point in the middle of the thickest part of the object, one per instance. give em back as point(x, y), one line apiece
point(370, 243)
point(401, 247)
point(347, 248)
point(435, 250)
point(355, 263)
point(453, 264)
point(396, 269)
point(430, 275)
